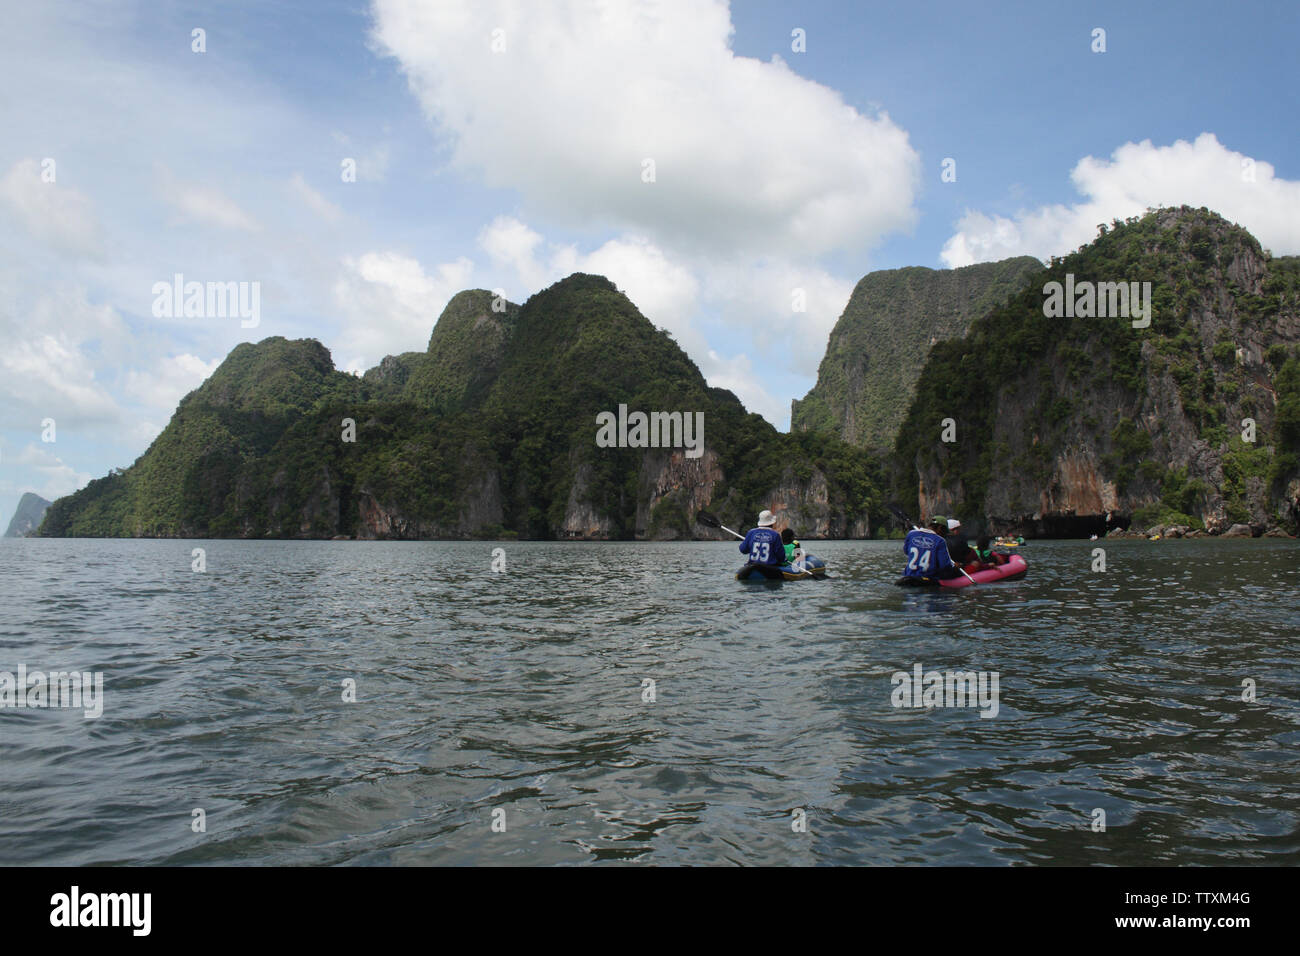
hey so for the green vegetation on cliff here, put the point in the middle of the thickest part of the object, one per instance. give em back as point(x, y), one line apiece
point(877, 349)
point(1158, 412)
point(489, 432)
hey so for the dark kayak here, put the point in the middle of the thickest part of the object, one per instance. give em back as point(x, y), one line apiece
point(816, 568)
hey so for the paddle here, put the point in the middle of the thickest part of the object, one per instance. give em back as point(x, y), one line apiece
point(902, 516)
point(711, 521)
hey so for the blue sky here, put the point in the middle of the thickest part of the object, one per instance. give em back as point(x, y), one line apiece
point(775, 171)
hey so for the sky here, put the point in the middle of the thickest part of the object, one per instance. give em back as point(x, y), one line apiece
point(734, 168)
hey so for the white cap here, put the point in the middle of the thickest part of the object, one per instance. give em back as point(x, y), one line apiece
point(953, 523)
point(766, 519)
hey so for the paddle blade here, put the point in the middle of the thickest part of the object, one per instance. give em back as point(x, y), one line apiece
point(708, 519)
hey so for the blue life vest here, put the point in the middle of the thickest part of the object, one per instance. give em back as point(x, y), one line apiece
point(926, 553)
point(764, 546)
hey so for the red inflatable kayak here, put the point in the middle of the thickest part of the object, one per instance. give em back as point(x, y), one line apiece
point(1014, 569)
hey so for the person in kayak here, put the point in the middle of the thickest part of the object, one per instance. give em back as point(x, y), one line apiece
point(959, 548)
point(794, 554)
point(985, 556)
point(927, 553)
point(763, 545)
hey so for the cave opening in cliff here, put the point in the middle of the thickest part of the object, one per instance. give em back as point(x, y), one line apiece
point(1077, 526)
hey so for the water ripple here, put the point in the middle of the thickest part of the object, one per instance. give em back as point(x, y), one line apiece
point(523, 699)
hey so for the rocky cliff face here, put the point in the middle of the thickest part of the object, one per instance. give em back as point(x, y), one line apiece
point(390, 376)
point(672, 490)
point(582, 518)
point(804, 506)
point(27, 516)
point(1086, 423)
point(877, 349)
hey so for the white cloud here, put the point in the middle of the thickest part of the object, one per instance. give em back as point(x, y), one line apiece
point(746, 193)
point(513, 246)
point(748, 155)
point(738, 375)
point(754, 301)
point(48, 367)
point(1138, 176)
point(204, 204)
point(166, 382)
point(53, 477)
point(55, 214)
point(314, 200)
point(48, 377)
point(66, 311)
point(760, 300)
point(665, 290)
point(391, 304)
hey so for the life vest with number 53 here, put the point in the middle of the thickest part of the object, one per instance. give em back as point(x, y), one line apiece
point(763, 546)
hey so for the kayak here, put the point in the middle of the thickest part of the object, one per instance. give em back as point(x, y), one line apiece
point(815, 568)
point(1013, 570)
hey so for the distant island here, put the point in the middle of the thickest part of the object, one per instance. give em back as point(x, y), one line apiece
point(949, 391)
point(27, 517)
